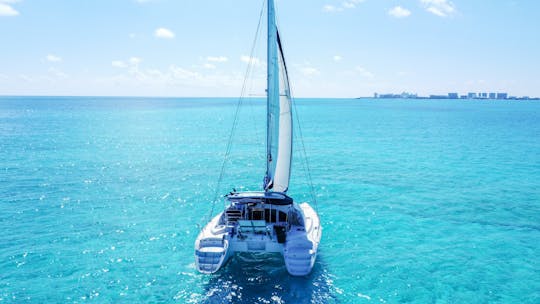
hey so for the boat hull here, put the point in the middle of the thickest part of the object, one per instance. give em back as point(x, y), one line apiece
point(218, 241)
point(300, 251)
point(212, 248)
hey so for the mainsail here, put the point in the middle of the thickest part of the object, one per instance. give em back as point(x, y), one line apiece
point(279, 118)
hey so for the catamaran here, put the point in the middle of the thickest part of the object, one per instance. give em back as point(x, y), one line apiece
point(266, 221)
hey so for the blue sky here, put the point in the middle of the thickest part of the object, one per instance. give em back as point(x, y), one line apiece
point(334, 48)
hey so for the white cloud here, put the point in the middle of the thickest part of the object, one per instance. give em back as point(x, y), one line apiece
point(132, 62)
point(252, 60)
point(57, 73)
point(217, 59)
point(134, 74)
point(399, 12)
point(349, 4)
point(119, 64)
point(135, 60)
point(7, 10)
point(337, 58)
point(53, 58)
point(164, 33)
point(147, 80)
point(441, 8)
point(310, 71)
point(26, 78)
point(364, 73)
point(402, 73)
point(330, 8)
point(183, 74)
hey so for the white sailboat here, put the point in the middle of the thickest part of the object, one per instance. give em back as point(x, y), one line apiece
point(267, 221)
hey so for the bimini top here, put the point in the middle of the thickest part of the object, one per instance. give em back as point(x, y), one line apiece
point(274, 198)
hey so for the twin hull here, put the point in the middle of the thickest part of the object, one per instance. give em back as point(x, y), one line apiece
point(291, 230)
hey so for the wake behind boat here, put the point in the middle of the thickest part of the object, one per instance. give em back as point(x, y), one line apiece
point(269, 220)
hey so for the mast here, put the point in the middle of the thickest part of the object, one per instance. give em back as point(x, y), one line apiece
point(272, 90)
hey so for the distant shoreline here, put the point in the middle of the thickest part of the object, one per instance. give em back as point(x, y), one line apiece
point(511, 98)
point(455, 95)
point(463, 99)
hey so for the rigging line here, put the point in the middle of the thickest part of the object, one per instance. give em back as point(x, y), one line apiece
point(252, 102)
point(310, 180)
point(235, 120)
point(302, 144)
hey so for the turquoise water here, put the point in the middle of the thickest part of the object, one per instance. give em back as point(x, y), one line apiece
point(420, 201)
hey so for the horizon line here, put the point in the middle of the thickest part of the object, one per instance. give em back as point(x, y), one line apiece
point(164, 97)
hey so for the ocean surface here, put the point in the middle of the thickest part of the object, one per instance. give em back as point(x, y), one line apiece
point(420, 201)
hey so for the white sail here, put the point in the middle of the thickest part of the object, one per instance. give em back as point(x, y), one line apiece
point(284, 142)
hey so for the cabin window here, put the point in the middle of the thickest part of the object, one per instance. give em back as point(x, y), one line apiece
point(257, 214)
point(273, 216)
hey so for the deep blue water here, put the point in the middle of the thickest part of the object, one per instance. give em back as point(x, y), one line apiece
point(420, 201)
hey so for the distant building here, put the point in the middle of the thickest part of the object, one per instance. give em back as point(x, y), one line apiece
point(389, 96)
point(453, 95)
point(408, 95)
